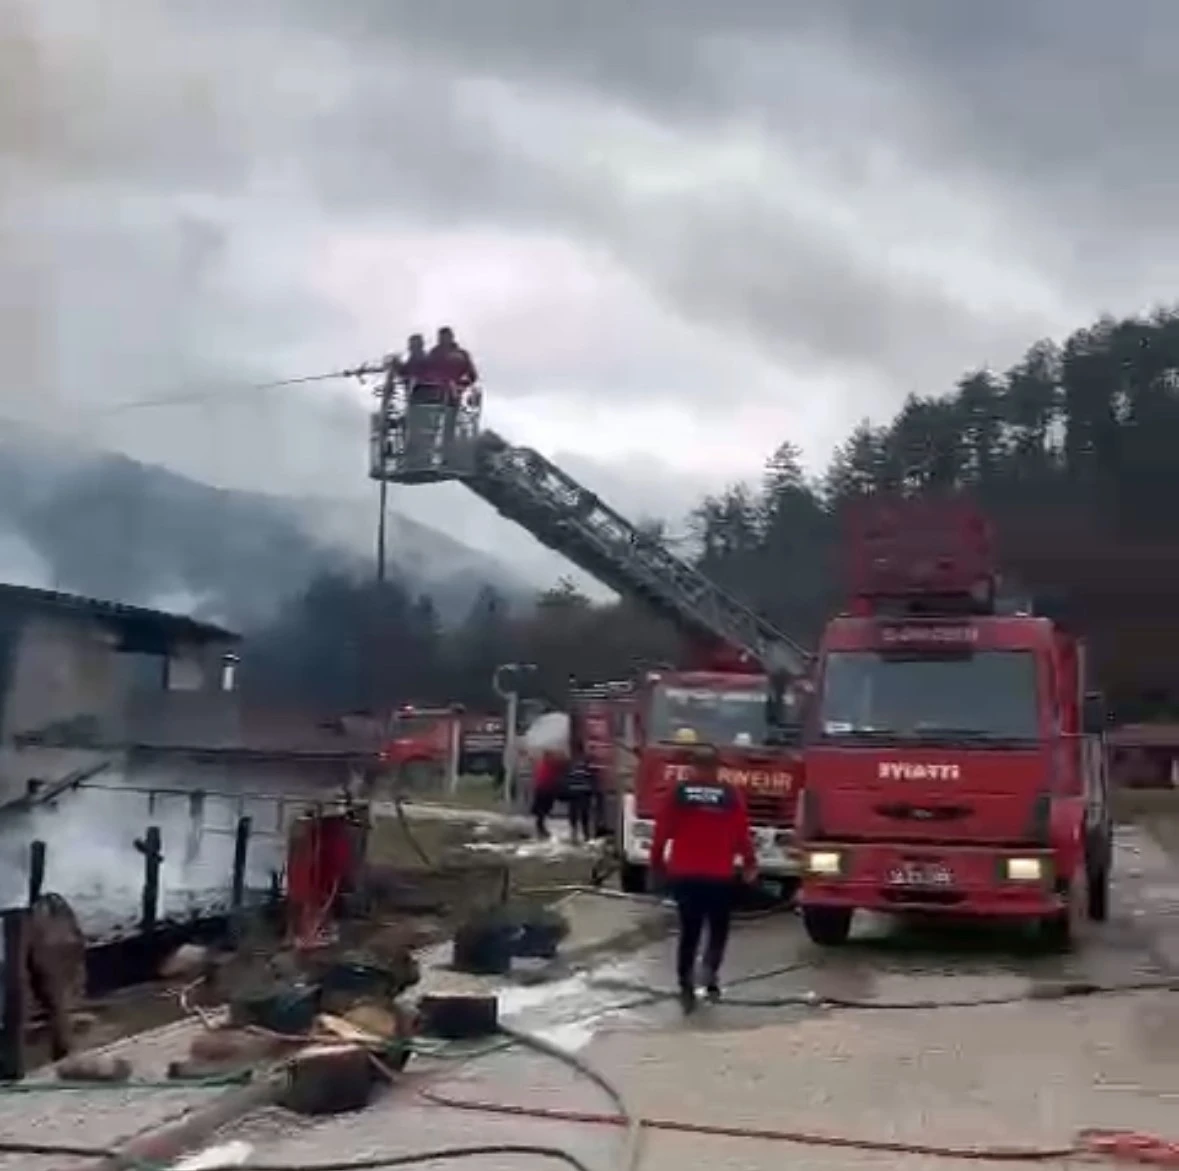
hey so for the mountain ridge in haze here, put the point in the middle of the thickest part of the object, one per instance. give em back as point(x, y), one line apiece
point(104, 525)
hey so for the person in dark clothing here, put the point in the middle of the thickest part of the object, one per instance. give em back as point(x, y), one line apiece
point(450, 369)
point(581, 786)
point(415, 366)
point(701, 832)
point(449, 364)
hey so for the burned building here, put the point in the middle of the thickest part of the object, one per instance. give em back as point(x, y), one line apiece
point(91, 685)
point(77, 673)
point(117, 718)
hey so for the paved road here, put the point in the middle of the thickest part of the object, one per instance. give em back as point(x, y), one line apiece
point(1032, 1072)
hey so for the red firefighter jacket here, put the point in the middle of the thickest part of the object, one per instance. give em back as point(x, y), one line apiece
point(450, 366)
point(706, 825)
point(547, 774)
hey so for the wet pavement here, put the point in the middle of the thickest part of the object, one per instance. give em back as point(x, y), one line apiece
point(102, 1114)
point(1030, 1072)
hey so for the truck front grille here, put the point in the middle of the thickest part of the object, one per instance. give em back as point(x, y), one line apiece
point(769, 810)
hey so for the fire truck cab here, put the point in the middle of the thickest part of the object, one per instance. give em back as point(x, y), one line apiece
point(955, 762)
point(726, 710)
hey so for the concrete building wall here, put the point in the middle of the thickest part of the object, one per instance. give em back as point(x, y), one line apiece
point(66, 667)
point(62, 668)
point(65, 672)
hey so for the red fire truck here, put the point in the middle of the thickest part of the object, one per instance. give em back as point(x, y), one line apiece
point(638, 734)
point(421, 741)
point(954, 760)
point(418, 443)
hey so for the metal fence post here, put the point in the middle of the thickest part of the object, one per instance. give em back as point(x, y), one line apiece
point(153, 857)
point(14, 1011)
point(241, 846)
point(36, 869)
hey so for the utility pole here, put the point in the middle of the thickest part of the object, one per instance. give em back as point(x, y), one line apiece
point(383, 483)
point(510, 694)
point(382, 529)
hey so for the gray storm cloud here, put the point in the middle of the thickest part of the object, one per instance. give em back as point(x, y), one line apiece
point(164, 158)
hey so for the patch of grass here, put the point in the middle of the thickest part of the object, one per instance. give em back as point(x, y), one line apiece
point(388, 844)
point(1135, 804)
point(1155, 810)
point(473, 792)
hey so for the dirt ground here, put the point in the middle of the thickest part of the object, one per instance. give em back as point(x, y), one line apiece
point(420, 887)
point(1154, 810)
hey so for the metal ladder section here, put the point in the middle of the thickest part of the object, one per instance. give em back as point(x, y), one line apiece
point(530, 490)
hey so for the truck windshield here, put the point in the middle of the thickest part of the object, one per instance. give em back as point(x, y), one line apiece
point(716, 715)
point(989, 695)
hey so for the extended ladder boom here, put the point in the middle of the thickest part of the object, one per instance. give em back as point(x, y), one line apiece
point(522, 485)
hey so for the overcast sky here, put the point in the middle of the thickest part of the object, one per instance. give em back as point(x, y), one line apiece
point(673, 232)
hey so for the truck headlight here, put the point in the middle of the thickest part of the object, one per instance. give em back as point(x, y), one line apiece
point(825, 862)
point(1024, 869)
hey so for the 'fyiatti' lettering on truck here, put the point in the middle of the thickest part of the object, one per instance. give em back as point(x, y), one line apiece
point(756, 780)
point(904, 770)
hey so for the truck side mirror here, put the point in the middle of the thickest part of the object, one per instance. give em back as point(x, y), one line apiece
point(783, 723)
point(1093, 714)
point(775, 708)
point(784, 736)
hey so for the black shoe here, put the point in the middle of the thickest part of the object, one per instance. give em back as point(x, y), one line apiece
point(713, 992)
point(688, 1000)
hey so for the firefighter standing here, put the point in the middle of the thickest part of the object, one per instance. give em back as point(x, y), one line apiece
point(415, 365)
point(700, 833)
point(449, 364)
point(581, 786)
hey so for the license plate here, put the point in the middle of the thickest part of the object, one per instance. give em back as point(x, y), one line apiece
point(920, 874)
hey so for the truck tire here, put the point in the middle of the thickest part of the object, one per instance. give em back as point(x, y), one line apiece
point(1056, 933)
point(1062, 932)
point(788, 889)
point(420, 776)
point(827, 926)
point(632, 878)
point(1098, 894)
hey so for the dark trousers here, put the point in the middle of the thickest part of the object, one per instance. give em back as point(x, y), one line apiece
point(543, 801)
point(702, 902)
point(581, 807)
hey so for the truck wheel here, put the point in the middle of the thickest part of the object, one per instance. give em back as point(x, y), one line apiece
point(633, 878)
point(827, 926)
point(1099, 891)
point(1062, 932)
point(1056, 933)
point(420, 776)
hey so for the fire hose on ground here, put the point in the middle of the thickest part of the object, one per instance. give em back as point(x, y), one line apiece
point(1117, 1145)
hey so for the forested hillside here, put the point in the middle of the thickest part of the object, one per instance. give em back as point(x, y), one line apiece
point(1072, 451)
point(90, 522)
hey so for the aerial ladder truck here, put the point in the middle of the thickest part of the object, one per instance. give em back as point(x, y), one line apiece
point(739, 671)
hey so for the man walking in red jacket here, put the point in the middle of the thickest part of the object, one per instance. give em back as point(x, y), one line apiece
point(700, 834)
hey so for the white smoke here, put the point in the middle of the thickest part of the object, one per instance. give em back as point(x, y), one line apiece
point(92, 860)
point(177, 601)
point(21, 564)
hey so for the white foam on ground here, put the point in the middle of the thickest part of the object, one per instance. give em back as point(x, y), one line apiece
point(516, 999)
point(572, 1037)
point(234, 1154)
